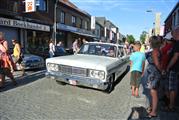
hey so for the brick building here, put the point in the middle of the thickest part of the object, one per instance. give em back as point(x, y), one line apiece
point(72, 23)
point(32, 30)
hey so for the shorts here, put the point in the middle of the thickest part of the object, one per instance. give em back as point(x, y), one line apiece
point(16, 60)
point(173, 81)
point(135, 78)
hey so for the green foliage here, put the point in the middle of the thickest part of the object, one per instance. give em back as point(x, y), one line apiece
point(143, 36)
point(130, 39)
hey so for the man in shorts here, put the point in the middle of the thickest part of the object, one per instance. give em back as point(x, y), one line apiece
point(173, 69)
point(137, 61)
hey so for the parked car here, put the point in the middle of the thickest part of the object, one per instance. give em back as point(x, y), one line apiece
point(97, 65)
point(31, 61)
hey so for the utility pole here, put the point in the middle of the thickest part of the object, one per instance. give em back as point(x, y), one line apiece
point(55, 22)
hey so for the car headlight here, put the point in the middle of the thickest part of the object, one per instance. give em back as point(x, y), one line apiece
point(97, 74)
point(52, 67)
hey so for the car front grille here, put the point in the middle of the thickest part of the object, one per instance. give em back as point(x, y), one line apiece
point(73, 70)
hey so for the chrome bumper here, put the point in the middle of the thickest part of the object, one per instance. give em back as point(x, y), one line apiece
point(80, 81)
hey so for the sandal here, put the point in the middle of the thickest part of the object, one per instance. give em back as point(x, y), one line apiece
point(151, 116)
point(173, 109)
point(168, 109)
point(149, 109)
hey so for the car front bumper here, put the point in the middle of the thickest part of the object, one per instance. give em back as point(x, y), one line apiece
point(80, 81)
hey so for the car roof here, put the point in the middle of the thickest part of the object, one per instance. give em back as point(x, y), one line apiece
point(105, 43)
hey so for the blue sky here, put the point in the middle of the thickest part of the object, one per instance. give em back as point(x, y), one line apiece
point(129, 15)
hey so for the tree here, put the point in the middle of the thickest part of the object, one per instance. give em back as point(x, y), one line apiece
point(143, 37)
point(130, 39)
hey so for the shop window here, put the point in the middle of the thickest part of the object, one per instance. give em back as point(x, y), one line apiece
point(41, 5)
point(38, 42)
point(62, 17)
point(73, 20)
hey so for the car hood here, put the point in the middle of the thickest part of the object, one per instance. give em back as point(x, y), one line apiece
point(84, 61)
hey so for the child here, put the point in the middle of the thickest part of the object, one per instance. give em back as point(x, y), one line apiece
point(137, 61)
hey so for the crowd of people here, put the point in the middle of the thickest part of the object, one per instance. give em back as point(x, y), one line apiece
point(75, 46)
point(161, 73)
point(7, 61)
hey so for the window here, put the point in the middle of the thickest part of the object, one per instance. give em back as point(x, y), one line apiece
point(81, 22)
point(41, 5)
point(86, 25)
point(98, 31)
point(62, 17)
point(73, 20)
point(178, 17)
point(174, 19)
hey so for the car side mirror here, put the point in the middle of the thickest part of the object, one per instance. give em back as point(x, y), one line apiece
point(120, 56)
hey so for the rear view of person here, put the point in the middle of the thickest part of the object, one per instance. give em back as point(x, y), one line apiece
point(137, 61)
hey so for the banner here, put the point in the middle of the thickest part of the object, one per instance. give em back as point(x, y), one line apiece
point(93, 22)
point(30, 5)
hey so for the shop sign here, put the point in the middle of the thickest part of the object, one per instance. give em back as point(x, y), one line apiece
point(93, 22)
point(23, 24)
point(30, 5)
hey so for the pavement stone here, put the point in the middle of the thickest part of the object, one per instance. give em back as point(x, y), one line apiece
point(40, 98)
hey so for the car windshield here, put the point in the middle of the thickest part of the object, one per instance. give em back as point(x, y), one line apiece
point(99, 49)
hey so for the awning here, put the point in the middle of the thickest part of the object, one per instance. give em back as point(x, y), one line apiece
point(83, 34)
point(75, 30)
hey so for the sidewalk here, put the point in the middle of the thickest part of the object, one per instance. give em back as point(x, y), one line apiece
point(138, 106)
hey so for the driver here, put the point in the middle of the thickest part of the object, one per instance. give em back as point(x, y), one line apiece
point(111, 52)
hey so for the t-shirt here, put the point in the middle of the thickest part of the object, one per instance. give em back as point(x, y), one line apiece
point(137, 59)
point(142, 49)
point(166, 51)
point(175, 67)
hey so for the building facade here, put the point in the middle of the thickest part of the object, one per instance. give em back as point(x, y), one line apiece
point(32, 30)
point(172, 21)
point(72, 23)
point(108, 30)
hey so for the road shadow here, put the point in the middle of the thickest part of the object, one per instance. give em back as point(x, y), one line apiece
point(138, 113)
point(23, 80)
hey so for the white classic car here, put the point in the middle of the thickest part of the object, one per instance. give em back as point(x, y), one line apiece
point(96, 65)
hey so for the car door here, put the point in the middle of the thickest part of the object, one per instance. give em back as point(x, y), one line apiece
point(122, 60)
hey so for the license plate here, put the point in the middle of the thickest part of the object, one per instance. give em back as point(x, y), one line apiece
point(73, 82)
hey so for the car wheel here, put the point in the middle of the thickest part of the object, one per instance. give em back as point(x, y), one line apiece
point(110, 87)
point(60, 83)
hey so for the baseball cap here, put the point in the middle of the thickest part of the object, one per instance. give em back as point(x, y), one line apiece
point(168, 36)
